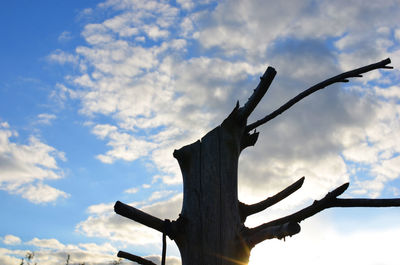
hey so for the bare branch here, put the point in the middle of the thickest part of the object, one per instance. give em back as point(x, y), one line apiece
point(309, 211)
point(366, 203)
point(278, 231)
point(134, 258)
point(139, 216)
point(339, 78)
point(248, 140)
point(247, 210)
point(258, 93)
point(329, 201)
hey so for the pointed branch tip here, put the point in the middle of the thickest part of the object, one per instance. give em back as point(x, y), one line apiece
point(258, 93)
point(339, 190)
point(247, 210)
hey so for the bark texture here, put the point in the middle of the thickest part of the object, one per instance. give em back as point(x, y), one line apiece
point(211, 220)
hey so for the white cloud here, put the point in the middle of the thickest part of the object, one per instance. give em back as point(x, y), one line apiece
point(24, 168)
point(11, 240)
point(97, 34)
point(392, 92)
point(65, 36)
point(40, 193)
point(157, 195)
point(103, 130)
point(131, 190)
point(107, 224)
point(7, 258)
point(186, 4)
point(94, 248)
point(61, 57)
point(321, 241)
point(122, 25)
point(46, 243)
point(46, 118)
point(145, 88)
point(124, 146)
point(167, 179)
point(101, 208)
point(397, 34)
point(51, 251)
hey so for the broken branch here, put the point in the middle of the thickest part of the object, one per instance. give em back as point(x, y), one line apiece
point(258, 93)
point(134, 258)
point(248, 140)
point(339, 78)
point(278, 231)
point(247, 210)
point(139, 216)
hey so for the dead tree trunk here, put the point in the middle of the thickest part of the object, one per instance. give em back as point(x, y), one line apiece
point(210, 229)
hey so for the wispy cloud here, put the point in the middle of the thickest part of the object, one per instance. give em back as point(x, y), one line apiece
point(46, 118)
point(65, 36)
point(11, 240)
point(62, 57)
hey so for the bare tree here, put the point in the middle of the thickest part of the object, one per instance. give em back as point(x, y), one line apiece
point(210, 229)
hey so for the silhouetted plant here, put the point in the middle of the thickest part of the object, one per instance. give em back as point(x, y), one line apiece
point(29, 256)
point(68, 258)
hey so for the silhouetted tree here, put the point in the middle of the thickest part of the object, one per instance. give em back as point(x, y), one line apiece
point(210, 229)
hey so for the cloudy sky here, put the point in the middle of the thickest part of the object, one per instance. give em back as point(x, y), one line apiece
point(96, 95)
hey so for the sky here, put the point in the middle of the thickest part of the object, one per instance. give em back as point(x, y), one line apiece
point(96, 95)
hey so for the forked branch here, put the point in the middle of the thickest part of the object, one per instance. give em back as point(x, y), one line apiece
point(339, 78)
point(329, 201)
point(247, 210)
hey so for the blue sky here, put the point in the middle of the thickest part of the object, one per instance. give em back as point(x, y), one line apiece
point(96, 95)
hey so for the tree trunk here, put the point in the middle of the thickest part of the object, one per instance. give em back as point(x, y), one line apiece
point(211, 221)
